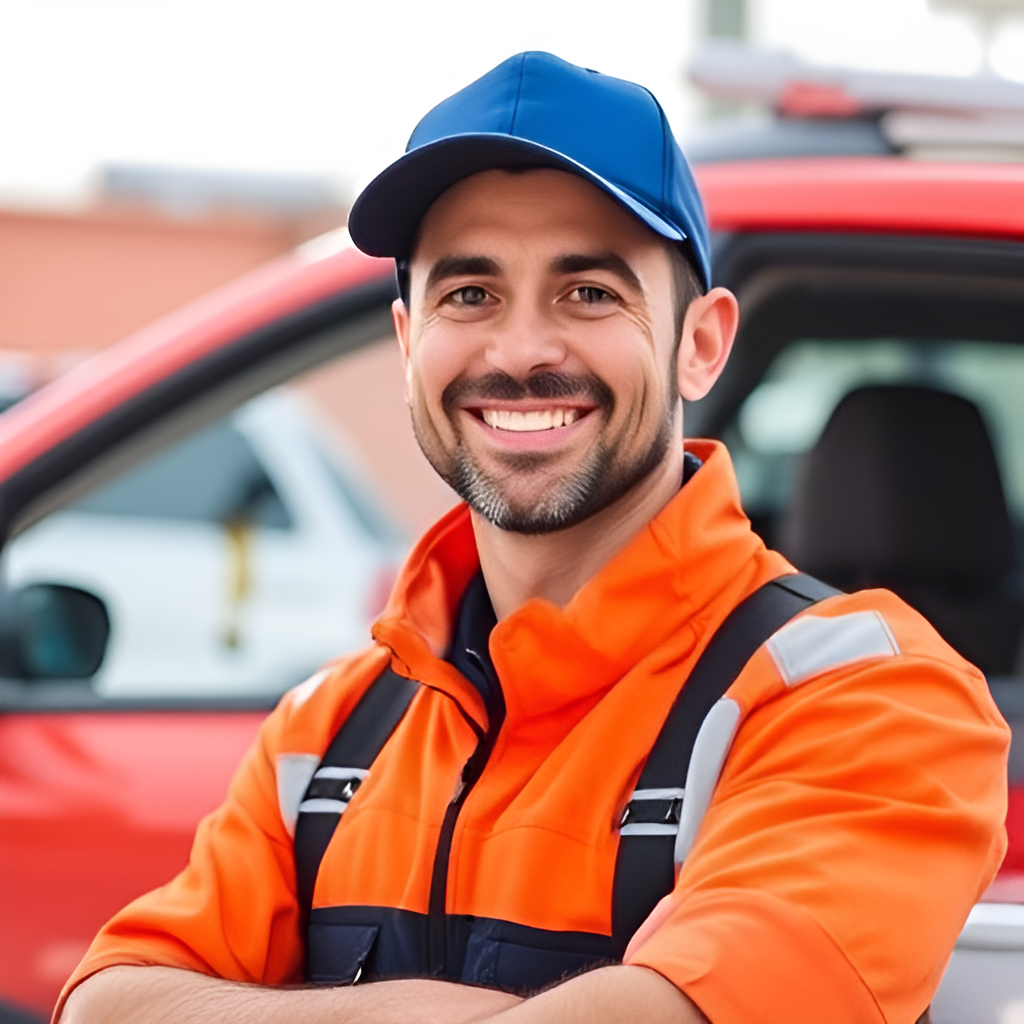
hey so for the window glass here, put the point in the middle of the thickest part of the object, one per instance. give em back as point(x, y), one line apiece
point(371, 514)
point(213, 476)
point(784, 415)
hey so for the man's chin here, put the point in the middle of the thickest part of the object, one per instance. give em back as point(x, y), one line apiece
point(534, 503)
point(523, 519)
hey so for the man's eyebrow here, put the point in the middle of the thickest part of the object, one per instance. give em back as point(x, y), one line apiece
point(459, 266)
point(580, 263)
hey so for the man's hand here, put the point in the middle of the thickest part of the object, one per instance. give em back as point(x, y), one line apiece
point(608, 996)
point(163, 995)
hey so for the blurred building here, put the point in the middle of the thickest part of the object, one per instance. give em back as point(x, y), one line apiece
point(74, 280)
point(728, 20)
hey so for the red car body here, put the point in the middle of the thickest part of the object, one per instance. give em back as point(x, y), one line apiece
point(99, 805)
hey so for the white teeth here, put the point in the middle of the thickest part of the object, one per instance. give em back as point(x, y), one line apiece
point(545, 419)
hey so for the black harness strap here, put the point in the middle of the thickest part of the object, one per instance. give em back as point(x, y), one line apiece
point(644, 867)
point(352, 751)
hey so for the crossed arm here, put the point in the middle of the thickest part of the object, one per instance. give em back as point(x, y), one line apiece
point(164, 995)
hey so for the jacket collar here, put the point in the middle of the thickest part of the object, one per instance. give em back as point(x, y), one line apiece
point(661, 585)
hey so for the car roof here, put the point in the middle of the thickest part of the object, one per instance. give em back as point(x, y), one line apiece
point(884, 195)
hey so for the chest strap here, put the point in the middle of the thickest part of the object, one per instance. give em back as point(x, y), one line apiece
point(348, 759)
point(675, 787)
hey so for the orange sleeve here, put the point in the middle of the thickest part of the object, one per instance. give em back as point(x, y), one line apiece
point(232, 913)
point(858, 818)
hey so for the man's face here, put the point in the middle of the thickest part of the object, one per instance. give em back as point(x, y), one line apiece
point(539, 347)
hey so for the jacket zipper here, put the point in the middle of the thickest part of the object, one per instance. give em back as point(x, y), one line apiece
point(437, 920)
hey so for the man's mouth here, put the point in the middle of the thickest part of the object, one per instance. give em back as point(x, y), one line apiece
point(537, 419)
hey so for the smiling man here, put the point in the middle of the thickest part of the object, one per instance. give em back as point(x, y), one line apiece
point(608, 758)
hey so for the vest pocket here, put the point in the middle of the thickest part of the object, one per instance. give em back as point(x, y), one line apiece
point(507, 956)
point(338, 952)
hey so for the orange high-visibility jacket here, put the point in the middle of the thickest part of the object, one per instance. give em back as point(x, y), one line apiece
point(858, 817)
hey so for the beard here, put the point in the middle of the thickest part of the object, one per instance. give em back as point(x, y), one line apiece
point(608, 471)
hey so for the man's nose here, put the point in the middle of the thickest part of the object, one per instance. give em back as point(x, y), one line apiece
point(525, 341)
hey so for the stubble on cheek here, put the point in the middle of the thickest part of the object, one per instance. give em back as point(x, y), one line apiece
point(429, 438)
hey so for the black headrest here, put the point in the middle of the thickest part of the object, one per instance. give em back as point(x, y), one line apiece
point(902, 487)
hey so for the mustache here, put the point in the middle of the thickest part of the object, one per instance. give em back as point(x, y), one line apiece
point(501, 386)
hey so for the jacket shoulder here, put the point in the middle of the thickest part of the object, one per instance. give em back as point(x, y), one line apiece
point(308, 716)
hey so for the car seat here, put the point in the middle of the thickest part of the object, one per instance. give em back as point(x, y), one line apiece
point(903, 491)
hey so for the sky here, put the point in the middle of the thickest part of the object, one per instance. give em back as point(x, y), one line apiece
point(334, 87)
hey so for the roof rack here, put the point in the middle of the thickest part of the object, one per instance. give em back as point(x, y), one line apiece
point(798, 88)
point(919, 114)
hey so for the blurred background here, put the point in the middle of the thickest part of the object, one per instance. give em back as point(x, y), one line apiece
point(150, 151)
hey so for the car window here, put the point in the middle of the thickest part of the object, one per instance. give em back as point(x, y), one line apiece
point(783, 417)
point(372, 515)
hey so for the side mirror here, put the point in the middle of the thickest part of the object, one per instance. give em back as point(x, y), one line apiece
point(50, 631)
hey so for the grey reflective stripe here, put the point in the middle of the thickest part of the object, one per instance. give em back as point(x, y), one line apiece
point(318, 805)
point(648, 828)
point(293, 774)
point(668, 793)
point(710, 750)
point(330, 772)
point(812, 644)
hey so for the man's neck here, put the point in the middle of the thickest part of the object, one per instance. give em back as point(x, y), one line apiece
point(518, 567)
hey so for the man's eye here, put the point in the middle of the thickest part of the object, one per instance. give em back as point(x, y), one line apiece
point(591, 295)
point(471, 295)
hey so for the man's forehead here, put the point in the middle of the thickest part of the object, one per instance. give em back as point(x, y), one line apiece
point(569, 224)
point(524, 199)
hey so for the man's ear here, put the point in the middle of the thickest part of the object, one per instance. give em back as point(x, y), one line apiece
point(400, 315)
point(709, 330)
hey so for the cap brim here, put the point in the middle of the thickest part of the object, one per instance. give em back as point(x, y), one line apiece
point(384, 219)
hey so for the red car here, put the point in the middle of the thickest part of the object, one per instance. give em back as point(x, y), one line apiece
point(853, 272)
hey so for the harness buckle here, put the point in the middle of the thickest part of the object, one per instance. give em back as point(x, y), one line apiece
point(653, 811)
point(331, 789)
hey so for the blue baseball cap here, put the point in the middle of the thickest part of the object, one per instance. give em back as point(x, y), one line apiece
point(536, 110)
